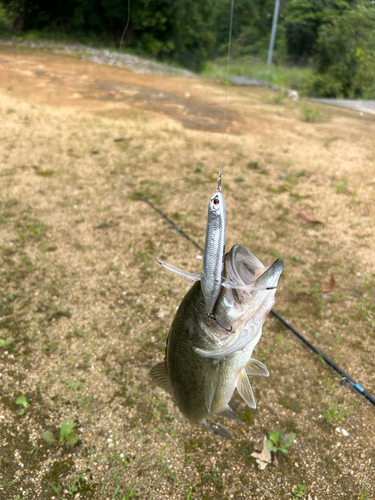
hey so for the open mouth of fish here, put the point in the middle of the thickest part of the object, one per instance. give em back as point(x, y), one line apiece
point(247, 296)
point(243, 271)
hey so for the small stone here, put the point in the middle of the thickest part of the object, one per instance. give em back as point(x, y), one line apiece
point(278, 480)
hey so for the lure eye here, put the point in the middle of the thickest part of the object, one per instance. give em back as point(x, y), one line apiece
point(216, 201)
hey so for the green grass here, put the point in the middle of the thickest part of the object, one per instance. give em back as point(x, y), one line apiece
point(292, 77)
point(312, 115)
point(334, 414)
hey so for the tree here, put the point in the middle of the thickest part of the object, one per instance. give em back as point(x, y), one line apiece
point(180, 30)
point(252, 22)
point(345, 55)
point(304, 18)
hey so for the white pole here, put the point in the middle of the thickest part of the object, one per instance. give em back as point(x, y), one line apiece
point(273, 32)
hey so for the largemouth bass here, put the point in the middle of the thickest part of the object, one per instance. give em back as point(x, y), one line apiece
point(204, 363)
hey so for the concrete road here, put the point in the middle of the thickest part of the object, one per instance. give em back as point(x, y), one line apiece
point(362, 106)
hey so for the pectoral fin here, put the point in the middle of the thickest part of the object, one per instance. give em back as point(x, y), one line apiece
point(219, 429)
point(181, 272)
point(211, 383)
point(228, 412)
point(159, 375)
point(254, 367)
point(244, 388)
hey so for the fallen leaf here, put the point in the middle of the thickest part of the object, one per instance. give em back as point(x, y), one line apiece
point(307, 218)
point(264, 457)
point(330, 286)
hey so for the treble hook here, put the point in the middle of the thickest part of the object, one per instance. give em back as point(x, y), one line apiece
point(229, 330)
point(218, 189)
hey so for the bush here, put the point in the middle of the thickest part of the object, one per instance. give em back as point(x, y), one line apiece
point(345, 55)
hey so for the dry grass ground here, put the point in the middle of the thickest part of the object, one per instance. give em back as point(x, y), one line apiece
point(85, 309)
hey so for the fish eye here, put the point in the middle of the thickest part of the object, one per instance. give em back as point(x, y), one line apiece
point(216, 201)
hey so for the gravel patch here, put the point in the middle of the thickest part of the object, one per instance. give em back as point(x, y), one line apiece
point(103, 56)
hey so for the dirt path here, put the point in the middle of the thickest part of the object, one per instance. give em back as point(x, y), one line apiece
point(85, 310)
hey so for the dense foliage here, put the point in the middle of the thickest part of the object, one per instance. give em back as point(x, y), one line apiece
point(177, 29)
point(345, 55)
point(252, 22)
point(304, 19)
point(337, 35)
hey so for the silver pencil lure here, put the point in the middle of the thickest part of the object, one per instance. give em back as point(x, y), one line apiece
point(214, 249)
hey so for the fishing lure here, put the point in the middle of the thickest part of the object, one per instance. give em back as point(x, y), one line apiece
point(214, 250)
point(211, 275)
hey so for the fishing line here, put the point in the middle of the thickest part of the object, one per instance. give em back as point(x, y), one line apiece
point(127, 25)
point(345, 378)
point(226, 82)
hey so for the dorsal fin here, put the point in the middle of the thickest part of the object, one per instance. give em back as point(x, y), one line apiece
point(255, 367)
point(244, 388)
point(159, 375)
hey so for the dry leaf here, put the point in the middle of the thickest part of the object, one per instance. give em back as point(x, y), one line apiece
point(306, 217)
point(264, 457)
point(330, 286)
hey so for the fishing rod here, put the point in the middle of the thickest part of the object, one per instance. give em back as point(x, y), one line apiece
point(345, 378)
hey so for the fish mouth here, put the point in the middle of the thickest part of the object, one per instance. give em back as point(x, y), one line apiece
point(247, 296)
point(246, 270)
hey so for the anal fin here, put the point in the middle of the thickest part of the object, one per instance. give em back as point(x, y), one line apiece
point(244, 388)
point(159, 375)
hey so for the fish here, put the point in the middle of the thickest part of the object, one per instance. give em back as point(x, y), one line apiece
point(204, 363)
point(214, 252)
